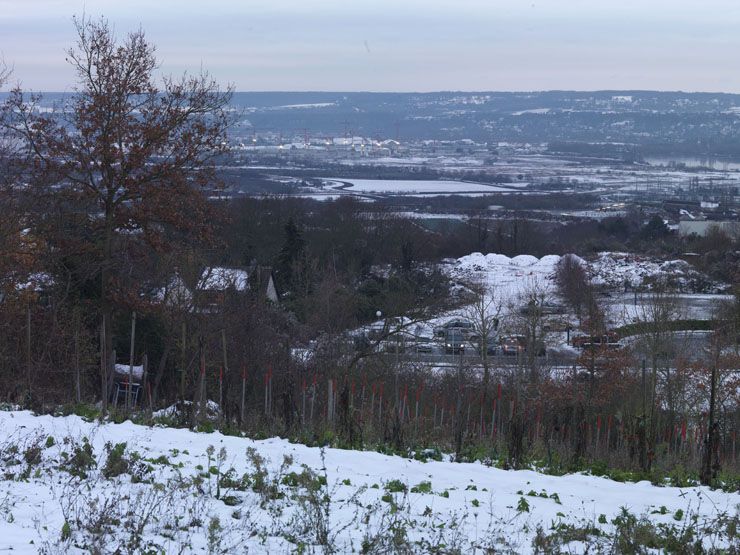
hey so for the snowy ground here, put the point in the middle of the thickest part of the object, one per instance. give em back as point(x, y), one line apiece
point(405, 186)
point(174, 507)
point(511, 278)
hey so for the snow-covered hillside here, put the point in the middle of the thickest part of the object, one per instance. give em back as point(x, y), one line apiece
point(508, 278)
point(609, 269)
point(67, 488)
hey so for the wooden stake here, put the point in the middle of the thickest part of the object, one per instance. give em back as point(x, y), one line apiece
point(131, 362)
point(224, 371)
point(103, 371)
point(145, 381)
point(202, 389)
point(244, 389)
point(28, 350)
point(78, 392)
point(183, 362)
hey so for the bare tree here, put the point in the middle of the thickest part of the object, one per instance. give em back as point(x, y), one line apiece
point(572, 281)
point(723, 360)
point(655, 320)
point(485, 314)
point(528, 318)
point(125, 161)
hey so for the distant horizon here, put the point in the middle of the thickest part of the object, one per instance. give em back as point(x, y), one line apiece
point(401, 46)
point(436, 91)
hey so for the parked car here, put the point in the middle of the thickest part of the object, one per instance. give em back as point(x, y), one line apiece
point(397, 342)
point(512, 345)
point(458, 323)
point(454, 341)
point(609, 339)
point(517, 344)
point(491, 346)
point(424, 345)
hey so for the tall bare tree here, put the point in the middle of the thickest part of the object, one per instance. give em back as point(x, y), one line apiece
point(125, 161)
point(484, 313)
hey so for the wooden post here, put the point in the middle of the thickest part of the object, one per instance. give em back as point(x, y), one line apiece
point(380, 403)
point(111, 370)
point(244, 390)
point(78, 393)
point(313, 397)
point(221, 392)
point(131, 362)
point(202, 388)
point(330, 401)
point(145, 383)
point(103, 371)
point(224, 371)
point(28, 351)
point(708, 473)
point(372, 401)
point(303, 402)
point(184, 362)
point(200, 396)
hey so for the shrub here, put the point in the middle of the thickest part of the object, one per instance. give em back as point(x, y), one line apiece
point(395, 486)
point(80, 461)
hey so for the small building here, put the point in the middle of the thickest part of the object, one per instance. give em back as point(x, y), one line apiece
point(216, 284)
point(702, 227)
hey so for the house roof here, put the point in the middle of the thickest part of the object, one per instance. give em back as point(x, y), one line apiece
point(220, 279)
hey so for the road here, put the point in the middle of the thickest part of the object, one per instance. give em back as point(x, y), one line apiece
point(689, 344)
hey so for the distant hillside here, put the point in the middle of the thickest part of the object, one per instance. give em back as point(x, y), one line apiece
point(652, 122)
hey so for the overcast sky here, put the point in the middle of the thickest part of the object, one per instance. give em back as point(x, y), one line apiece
point(402, 45)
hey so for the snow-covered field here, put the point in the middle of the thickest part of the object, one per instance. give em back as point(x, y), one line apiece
point(401, 186)
point(269, 501)
point(510, 279)
point(507, 278)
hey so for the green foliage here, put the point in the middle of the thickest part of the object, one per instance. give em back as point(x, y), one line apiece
point(395, 486)
point(522, 506)
point(66, 531)
point(116, 463)
point(264, 484)
point(80, 461)
point(422, 487)
point(85, 411)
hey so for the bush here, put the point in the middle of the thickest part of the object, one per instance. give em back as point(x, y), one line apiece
point(80, 461)
point(116, 463)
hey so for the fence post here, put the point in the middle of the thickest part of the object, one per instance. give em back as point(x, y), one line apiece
point(129, 385)
point(103, 371)
point(28, 350)
point(244, 387)
point(145, 382)
point(78, 392)
point(224, 371)
point(202, 393)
